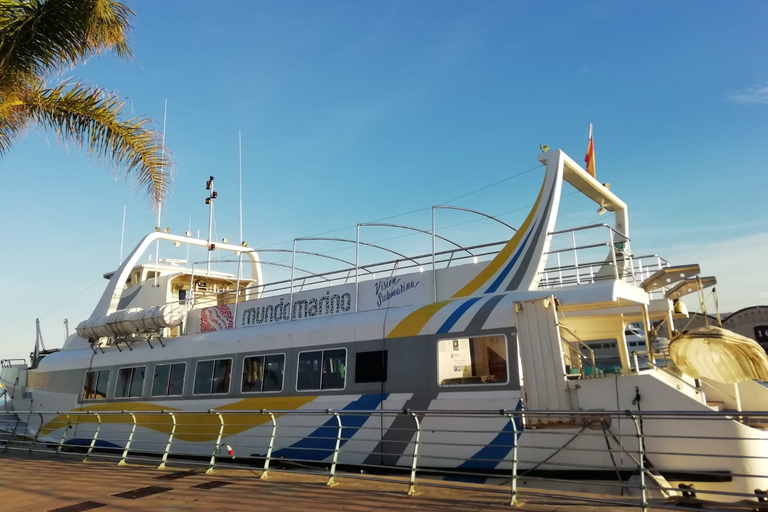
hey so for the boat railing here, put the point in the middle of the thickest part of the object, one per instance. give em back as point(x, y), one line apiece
point(586, 254)
point(638, 355)
point(303, 279)
point(13, 363)
point(432, 446)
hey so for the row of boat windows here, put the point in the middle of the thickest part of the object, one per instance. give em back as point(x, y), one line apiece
point(464, 361)
point(318, 370)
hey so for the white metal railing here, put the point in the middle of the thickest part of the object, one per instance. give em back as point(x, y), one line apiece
point(600, 253)
point(423, 449)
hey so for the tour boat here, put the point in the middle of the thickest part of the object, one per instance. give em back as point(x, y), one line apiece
point(504, 325)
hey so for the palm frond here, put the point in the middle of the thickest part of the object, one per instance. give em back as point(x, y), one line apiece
point(91, 117)
point(41, 35)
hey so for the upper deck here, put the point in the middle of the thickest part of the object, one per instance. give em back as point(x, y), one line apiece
point(309, 283)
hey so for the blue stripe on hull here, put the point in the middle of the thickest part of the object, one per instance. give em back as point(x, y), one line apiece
point(321, 443)
point(495, 452)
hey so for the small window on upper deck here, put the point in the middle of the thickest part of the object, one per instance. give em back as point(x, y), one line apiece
point(95, 386)
point(476, 360)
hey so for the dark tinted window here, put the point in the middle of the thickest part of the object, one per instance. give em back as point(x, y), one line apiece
point(371, 366)
point(263, 373)
point(322, 369)
point(168, 379)
point(130, 382)
point(95, 386)
point(212, 377)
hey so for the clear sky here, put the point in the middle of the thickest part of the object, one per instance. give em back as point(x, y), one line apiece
point(353, 111)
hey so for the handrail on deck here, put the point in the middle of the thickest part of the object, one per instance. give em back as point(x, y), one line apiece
point(426, 439)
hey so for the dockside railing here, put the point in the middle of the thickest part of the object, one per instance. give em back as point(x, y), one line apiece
point(429, 448)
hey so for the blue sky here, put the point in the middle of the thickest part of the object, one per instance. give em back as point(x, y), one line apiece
point(352, 111)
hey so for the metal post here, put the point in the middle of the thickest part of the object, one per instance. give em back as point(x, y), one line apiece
point(128, 444)
point(434, 267)
point(95, 435)
point(637, 365)
point(237, 284)
point(513, 490)
point(265, 472)
point(575, 257)
point(218, 443)
point(641, 461)
point(357, 267)
point(13, 432)
point(412, 481)
point(34, 440)
point(170, 440)
point(331, 482)
point(293, 276)
point(63, 436)
point(613, 256)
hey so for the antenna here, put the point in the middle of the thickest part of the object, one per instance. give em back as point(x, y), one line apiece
point(242, 242)
point(189, 233)
point(122, 238)
point(209, 201)
point(160, 205)
point(240, 143)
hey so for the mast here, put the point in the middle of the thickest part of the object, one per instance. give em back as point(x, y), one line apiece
point(242, 242)
point(209, 201)
point(160, 205)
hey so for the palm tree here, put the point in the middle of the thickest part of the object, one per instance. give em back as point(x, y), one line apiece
point(41, 38)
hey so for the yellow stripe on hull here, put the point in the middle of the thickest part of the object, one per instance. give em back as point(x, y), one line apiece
point(415, 322)
point(190, 426)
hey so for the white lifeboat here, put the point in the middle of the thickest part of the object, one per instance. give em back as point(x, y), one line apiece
point(132, 321)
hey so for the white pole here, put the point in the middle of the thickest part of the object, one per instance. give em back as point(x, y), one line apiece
point(240, 255)
point(122, 238)
point(160, 205)
point(189, 230)
point(240, 143)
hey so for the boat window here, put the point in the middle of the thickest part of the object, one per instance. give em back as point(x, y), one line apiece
point(263, 373)
point(322, 369)
point(212, 377)
point(168, 379)
point(371, 366)
point(95, 386)
point(130, 382)
point(475, 360)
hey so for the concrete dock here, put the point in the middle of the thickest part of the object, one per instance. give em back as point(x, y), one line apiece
point(63, 483)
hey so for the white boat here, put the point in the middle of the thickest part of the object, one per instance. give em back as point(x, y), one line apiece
point(494, 326)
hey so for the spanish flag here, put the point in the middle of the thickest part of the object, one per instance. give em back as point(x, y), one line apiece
point(590, 158)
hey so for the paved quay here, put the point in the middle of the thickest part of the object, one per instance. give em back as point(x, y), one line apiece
point(63, 483)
